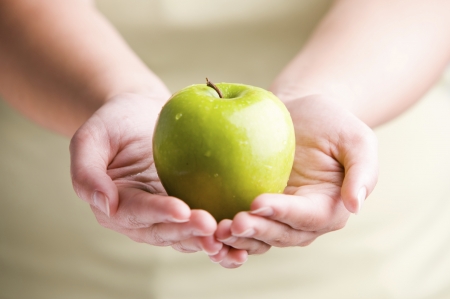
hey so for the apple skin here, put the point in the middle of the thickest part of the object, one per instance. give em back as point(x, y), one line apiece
point(218, 154)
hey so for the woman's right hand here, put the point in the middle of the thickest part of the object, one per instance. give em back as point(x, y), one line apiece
point(113, 170)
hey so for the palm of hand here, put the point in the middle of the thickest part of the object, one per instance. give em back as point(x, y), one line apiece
point(318, 173)
point(130, 145)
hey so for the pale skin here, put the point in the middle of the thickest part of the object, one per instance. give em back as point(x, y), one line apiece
point(366, 63)
point(374, 59)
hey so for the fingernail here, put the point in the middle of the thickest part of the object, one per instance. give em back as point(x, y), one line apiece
point(229, 240)
point(176, 220)
point(361, 198)
point(213, 261)
point(237, 264)
point(212, 253)
point(246, 234)
point(264, 211)
point(101, 202)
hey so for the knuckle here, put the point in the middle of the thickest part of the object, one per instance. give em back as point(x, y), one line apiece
point(74, 141)
point(79, 178)
point(364, 136)
point(133, 221)
point(104, 222)
point(155, 237)
point(101, 218)
point(77, 188)
point(81, 136)
point(284, 239)
point(260, 249)
point(340, 224)
point(306, 242)
point(179, 246)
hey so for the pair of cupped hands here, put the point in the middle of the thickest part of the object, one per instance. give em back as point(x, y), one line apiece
point(112, 168)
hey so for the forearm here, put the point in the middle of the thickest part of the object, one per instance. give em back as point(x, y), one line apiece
point(375, 57)
point(60, 61)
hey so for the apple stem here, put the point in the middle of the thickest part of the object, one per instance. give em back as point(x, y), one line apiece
point(212, 85)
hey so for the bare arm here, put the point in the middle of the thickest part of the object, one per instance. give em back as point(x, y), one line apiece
point(64, 66)
point(375, 58)
point(61, 60)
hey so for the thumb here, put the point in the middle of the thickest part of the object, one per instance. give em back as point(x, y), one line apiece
point(360, 161)
point(89, 159)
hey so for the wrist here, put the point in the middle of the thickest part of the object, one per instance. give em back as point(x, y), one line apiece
point(132, 102)
point(342, 96)
point(144, 84)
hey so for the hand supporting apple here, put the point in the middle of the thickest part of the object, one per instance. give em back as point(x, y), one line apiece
point(113, 170)
point(335, 168)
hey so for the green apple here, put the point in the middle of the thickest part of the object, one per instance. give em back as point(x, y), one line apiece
point(217, 147)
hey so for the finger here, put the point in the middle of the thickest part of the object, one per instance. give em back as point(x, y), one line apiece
point(200, 224)
point(210, 245)
point(359, 157)
point(312, 212)
point(207, 244)
point(252, 246)
point(139, 209)
point(89, 159)
point(269, 231)
point(223, 231)
point(220, 256)
point(234, 258)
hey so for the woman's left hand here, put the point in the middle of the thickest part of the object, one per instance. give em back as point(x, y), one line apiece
point(335, 169)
